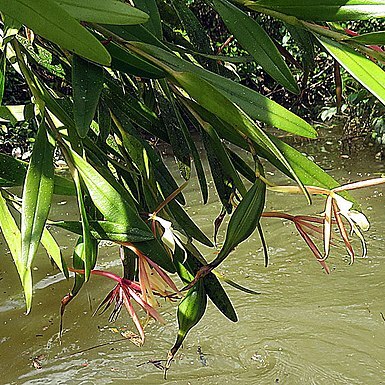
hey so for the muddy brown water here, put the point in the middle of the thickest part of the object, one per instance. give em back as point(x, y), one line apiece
point(304, 328)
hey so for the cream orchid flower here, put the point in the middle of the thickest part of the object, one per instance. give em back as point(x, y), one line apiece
point(338, 206)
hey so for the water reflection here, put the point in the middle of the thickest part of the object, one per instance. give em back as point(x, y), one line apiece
point(305, 327)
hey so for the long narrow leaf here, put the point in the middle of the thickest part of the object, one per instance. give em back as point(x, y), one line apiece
point(325, 10)
point(369, 74)
point(87, 83)
point(103, 11)
point(254, 104)
point(253, 38)
point(37, 196)
point(48, 19)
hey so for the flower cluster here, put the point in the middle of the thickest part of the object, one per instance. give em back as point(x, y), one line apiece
point(337, 209)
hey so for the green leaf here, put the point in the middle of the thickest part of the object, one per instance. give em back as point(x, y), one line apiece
point(113, 206)
point(187, 224)
point(12, 236)
point(103, 11)
point(2, 74)
point(87, 82)
point(309, 172)
point(37, 196)
point(195, 156)
point(104, 230)
point(369, 74)
point(373, 38)
point(127, 62)
point(325, 10)
point(53, 250)
point(13, 171)
point(154, 24)
point(245, 218)
point(48, 19)
point(190, 311)
point(257, 106)
point(217, 103)
point(87, 252)
point(253, 38)
point(218, 296)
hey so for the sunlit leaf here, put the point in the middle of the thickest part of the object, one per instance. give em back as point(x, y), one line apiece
point(37, 196)
point(373, 38)
point(48, 19)
point(326, 10)
point(103, 11)
point(53, 250)
point(106, 198)
point(252, 103)
point(369, 74)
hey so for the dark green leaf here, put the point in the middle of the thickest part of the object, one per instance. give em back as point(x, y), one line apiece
point(87, 82)
point(154, 24)
point(245, 218)
point(219, 297)
point(253, 38)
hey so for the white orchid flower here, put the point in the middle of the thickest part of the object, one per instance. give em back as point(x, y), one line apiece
point(339, 206)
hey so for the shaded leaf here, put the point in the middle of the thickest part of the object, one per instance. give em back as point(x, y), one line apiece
point(87, 83)
point(252, 103)
point(13, 171)
point(109, 231)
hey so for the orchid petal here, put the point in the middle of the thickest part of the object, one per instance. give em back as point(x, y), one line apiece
point(343, 232)
point(360, 219)
point(134, 316)
point(360, 184)
point(343, 204)
point(328, 225)
point(312, 247)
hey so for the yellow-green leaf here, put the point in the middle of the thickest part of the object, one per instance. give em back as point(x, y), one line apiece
point(37, 196)
point(369, 74)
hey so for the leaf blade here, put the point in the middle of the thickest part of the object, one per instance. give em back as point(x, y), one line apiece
point(257, 42)
point(37, 197)
point(49, 20)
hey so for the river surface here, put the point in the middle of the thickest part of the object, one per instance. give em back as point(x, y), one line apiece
point(305, 327)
